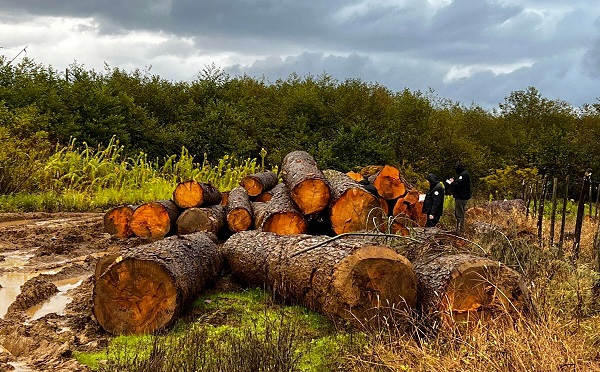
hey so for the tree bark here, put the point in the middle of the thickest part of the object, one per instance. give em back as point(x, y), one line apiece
point(389, 183)
point(155, 220)
point(352, 207)
point(240, 215)
point(463, 288)
point(148, 286)
point(279, 215)
point(117, 221)
point(349, 278)
point(259, 182)
point(190, 194)
point(208, 219)
point(307, 184)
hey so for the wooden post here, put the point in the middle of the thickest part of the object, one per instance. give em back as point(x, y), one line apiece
point(553, 216)
point(528, 201)
point(564, 216)
point(535, 196)
point(580, 213)
point(541, 209)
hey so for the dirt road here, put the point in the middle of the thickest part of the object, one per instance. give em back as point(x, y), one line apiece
point(46, 272)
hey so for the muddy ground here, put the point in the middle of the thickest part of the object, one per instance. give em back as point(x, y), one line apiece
point(47, 263)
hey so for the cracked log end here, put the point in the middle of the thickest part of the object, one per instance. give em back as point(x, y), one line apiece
point(152, 221)
point(188, 194)
point(354, 211)
point(239, 219)
point(311, 196)
point(117, 221)
point(286, 223)
point(134, 297)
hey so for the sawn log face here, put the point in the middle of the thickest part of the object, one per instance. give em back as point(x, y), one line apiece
point(308, 187)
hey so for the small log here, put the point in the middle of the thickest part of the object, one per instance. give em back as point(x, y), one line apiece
point(389, 183)
point(149, 286)
point(463, 288)
point(190, 194)
point(352, 207)
point(264, 196)
point(208, 219)
point(224, 198)
point(349, 278)
point(155, 220)
point(307, 184)
point(239, 210)
point(259, 182)
point(117, 221)
point(279, 215)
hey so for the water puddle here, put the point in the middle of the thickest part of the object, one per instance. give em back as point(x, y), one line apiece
point(20, 367)
point(57, 303)
point(15, 259)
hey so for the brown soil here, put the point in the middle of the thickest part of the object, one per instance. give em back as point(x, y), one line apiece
point(54, 251)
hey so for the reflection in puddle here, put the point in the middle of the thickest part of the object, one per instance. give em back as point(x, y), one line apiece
point(57, 303)
point(15, 259)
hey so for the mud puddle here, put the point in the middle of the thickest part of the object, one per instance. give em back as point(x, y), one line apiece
point(57, 303)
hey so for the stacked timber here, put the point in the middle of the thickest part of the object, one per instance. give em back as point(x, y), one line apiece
point(279, 215)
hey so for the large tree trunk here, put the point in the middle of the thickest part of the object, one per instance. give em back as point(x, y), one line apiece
point(155, 220)
point(389, 183)
point(307, 184)
point(239, 210)
point(352, 207)
point(147, 287)
point(462, 287)
point(259, 182)
point(279, 215)
point(117, 221)
point(190, 194)
point(349, 278)
point(209, 219)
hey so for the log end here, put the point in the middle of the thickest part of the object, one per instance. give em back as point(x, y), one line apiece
point(286, 223)
point(388, 183)
point(311, 196)
point(252, 185)
point(134, 297)
point(355, 210)
point(151, 221)
point(239, 219)
point(188, 194)
point(372, 278)
point(117, 222)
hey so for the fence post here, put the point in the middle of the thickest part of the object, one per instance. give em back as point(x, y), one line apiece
point(541, 210)
point(553, 216)
point(580, 213)
point(564, 216)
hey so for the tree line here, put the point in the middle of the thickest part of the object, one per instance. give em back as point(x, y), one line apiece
point(343, 124)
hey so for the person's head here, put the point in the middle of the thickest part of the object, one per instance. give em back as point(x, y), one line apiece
point(433, 180)
point(459, 167)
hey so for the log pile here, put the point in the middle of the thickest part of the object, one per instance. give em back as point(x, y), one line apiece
point(265, 224)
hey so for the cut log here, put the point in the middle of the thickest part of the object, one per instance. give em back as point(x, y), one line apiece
point(349, 278)
point(352, 207)
point(259, 182)
point(208, 219)
point(155, 220)
point(148, 286)
point(355, 176)
point(117, 221)
point(462, 288)
point(307, 184)
point(190, 194)
point(389, 183)
point(239, 210)
point(224, 198)
point(279, 215)
point(264, 196)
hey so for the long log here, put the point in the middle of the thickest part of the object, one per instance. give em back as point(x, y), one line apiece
point(462, 288)
point(389, 183)
point(349, 278)
point(155, 220)
point(190, 194)
point(117, 221)
point(148, 287)
point(307, 184)
point(240, 215)
point(352, 207)
point(259, 182)
point(208, 219)
point(279, 215)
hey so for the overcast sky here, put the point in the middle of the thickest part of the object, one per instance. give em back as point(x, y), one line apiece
point(465, 50)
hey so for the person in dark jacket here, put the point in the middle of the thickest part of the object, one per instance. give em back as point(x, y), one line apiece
point(433, 206)
point(461, 190)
